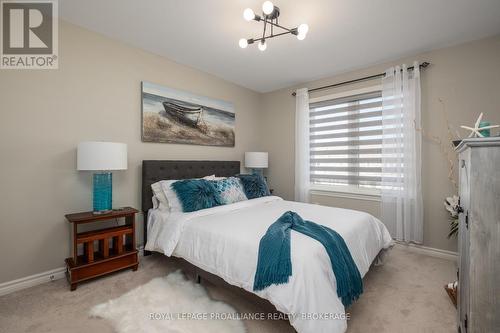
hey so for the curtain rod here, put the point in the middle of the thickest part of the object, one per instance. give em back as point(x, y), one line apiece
point(371, 77)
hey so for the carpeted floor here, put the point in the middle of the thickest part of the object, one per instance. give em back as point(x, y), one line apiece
point(404, 295)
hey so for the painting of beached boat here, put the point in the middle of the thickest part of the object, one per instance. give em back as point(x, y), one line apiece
point(174, 116)
point(184, 114)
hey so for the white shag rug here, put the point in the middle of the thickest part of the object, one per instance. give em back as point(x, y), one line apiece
point(164, 305)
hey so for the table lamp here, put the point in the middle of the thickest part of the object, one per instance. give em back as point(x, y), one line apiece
point(102, 157)
point(257, 161)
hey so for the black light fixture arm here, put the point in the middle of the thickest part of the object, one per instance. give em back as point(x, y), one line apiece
point(292, 31)
point(252, 40)
point(271, 22)
point(264, 32)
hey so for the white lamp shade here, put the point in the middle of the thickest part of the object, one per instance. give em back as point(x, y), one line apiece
point(94, 155)
point(256, 160)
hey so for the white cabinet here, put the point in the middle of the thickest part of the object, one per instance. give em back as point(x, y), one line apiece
point(479, 236)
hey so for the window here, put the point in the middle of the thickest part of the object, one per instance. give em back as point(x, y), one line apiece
point(346, 141)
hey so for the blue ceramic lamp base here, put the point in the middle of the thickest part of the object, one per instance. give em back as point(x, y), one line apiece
point(103, 192)
point(258, 171)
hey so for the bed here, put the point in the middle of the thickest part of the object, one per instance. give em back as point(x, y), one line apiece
point(221, 244)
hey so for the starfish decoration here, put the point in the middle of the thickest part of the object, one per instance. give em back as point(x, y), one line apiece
point(475, 131)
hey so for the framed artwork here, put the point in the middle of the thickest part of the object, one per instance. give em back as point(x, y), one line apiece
point(175, 116)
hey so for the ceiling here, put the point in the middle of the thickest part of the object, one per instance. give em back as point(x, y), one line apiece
point(343, 34)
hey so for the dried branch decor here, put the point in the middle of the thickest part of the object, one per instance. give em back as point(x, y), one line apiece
point(445, 146)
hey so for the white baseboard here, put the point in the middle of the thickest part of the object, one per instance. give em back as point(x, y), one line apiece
point(430, 251)
point(32, 280)
point(36, 279)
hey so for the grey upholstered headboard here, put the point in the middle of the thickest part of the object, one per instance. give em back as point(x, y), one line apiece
point(153, 171)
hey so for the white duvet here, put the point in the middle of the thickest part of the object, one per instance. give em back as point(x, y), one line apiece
point(224, 241)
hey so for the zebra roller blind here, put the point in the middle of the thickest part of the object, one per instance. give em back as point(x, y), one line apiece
point(346, 141)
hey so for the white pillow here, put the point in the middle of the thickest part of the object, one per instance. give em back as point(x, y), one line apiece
point(174, 204)
point(155, 201)
point(159, 205)
point(159, 195)
point(166, 196)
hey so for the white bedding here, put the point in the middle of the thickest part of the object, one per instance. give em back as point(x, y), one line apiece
point(224, 241)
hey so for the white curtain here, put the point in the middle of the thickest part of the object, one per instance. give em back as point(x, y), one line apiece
point(402, 210)
point(302, 145)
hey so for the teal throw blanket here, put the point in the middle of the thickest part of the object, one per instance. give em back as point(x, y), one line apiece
point(274, 265)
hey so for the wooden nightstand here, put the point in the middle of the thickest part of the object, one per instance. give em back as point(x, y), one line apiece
point(105, 259)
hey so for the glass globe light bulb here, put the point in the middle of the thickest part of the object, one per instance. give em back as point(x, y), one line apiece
point(262, 45)
point(267, 7)
point(303, 29)
point(301, 36)
point(243, 43)
point(248, 14)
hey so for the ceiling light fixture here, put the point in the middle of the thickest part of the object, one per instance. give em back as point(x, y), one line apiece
point(270, 14)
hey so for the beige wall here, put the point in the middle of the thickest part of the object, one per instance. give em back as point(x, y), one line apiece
point(465, 77)
point(95, 95)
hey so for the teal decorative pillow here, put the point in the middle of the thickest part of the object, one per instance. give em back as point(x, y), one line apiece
point(196, 194)
point(255, 186)
point(229, 190)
